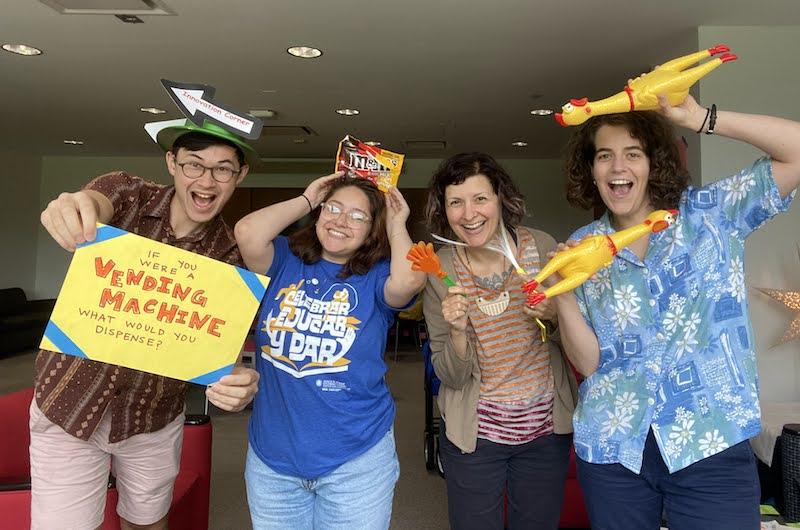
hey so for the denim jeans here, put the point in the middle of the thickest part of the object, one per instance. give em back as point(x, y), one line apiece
point(356, 495)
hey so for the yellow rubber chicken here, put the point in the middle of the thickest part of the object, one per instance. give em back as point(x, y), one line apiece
point(577, 264)
point(671, 79)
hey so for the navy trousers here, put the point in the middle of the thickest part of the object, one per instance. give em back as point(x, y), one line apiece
point(720, 492)
point(534, 474)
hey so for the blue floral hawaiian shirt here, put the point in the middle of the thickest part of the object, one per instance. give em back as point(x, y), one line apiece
point(676, 346)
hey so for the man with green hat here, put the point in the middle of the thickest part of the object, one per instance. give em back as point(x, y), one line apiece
point(85, 414)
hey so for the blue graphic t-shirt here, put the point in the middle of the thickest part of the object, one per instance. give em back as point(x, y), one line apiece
point(676, 347)
point(322, 398)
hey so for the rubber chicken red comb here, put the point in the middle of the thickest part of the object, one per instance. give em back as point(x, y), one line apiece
point(424, 259)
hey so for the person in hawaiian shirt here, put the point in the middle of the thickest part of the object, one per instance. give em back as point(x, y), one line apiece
point(663, 335)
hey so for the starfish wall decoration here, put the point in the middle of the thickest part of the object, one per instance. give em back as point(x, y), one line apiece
point(790, 299)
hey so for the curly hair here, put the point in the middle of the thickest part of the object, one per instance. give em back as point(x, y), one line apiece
point(668, 178)
point(459, 168)
point(306, 245)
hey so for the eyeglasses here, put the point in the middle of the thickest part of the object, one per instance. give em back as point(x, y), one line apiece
point(332, 210)
point(222, 174)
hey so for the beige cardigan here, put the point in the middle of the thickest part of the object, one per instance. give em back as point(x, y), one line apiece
point(461, 378)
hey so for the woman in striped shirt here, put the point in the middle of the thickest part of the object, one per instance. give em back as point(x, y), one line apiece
point(506, 397)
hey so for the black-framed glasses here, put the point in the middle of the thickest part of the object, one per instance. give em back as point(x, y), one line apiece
point(221, 174)
point(332, 210)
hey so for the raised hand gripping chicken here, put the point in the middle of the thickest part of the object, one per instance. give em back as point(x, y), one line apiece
point(577, 264)
point(671, 79)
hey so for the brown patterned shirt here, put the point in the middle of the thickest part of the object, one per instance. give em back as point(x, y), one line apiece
point(73, 392)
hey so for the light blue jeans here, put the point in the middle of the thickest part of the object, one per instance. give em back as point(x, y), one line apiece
point(356, 495)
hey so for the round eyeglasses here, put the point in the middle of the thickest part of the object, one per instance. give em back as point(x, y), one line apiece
point(221, 174)
point(332, 210)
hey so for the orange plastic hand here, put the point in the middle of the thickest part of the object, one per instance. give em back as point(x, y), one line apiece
point(424, 259)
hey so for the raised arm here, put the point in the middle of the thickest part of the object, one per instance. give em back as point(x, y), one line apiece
point(71, 217)
point(777, 137)
point(403, 283)
point(255, 231)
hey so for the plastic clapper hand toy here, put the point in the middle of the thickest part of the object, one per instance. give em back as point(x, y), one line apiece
point(424, 259)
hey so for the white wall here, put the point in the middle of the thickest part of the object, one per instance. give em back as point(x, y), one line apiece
point(19, 218)
point(764, 81)
point(60, 174)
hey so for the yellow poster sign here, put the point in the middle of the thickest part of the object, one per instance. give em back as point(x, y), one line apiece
point(135, 302)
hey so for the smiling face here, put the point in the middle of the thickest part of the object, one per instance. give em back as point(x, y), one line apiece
point(198, 200)
point(621, 171)
point(338, 234)
point(473, 210)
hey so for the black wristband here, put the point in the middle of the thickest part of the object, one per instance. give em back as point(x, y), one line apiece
point(310, 208)
point(712, 120)
point(708, 111)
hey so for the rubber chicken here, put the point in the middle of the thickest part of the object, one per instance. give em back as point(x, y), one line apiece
point(671, 79)
point(577, 264)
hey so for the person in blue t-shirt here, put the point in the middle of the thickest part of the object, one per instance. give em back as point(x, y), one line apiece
point(322, 451)
point(663, 334)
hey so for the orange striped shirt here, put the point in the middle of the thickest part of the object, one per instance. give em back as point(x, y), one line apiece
point(514, 363)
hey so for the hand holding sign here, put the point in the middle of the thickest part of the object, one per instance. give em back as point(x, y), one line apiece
point(71, 218)
point(234, 391)
point(138, 303)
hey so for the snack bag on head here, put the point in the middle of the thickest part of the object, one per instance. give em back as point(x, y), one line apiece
point(359, 160)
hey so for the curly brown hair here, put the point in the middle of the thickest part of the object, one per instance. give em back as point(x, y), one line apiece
point(459, 168)
point(306, 245)
point(668, 178)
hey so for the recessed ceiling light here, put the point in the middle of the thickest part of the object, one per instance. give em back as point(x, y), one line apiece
point(347, 112)
point(519, 144)
point(262, 113)
point(130, 19)
point(373, 143)
point(304, 52)
point(152, 110)
point(73, 142)
point(541, 112)
point(22, 49)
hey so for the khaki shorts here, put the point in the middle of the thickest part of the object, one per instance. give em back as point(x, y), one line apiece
point(69, 476)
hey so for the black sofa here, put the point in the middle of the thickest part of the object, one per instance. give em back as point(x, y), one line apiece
point(22, 321)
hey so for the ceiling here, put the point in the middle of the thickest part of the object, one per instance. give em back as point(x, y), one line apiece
point(464, 72)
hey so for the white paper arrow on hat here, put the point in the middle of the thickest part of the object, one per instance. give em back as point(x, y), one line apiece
point(195, 101)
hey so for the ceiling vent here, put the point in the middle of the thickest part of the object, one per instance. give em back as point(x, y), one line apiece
point(287, 130)
point(109, 7)
point(425, 145)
